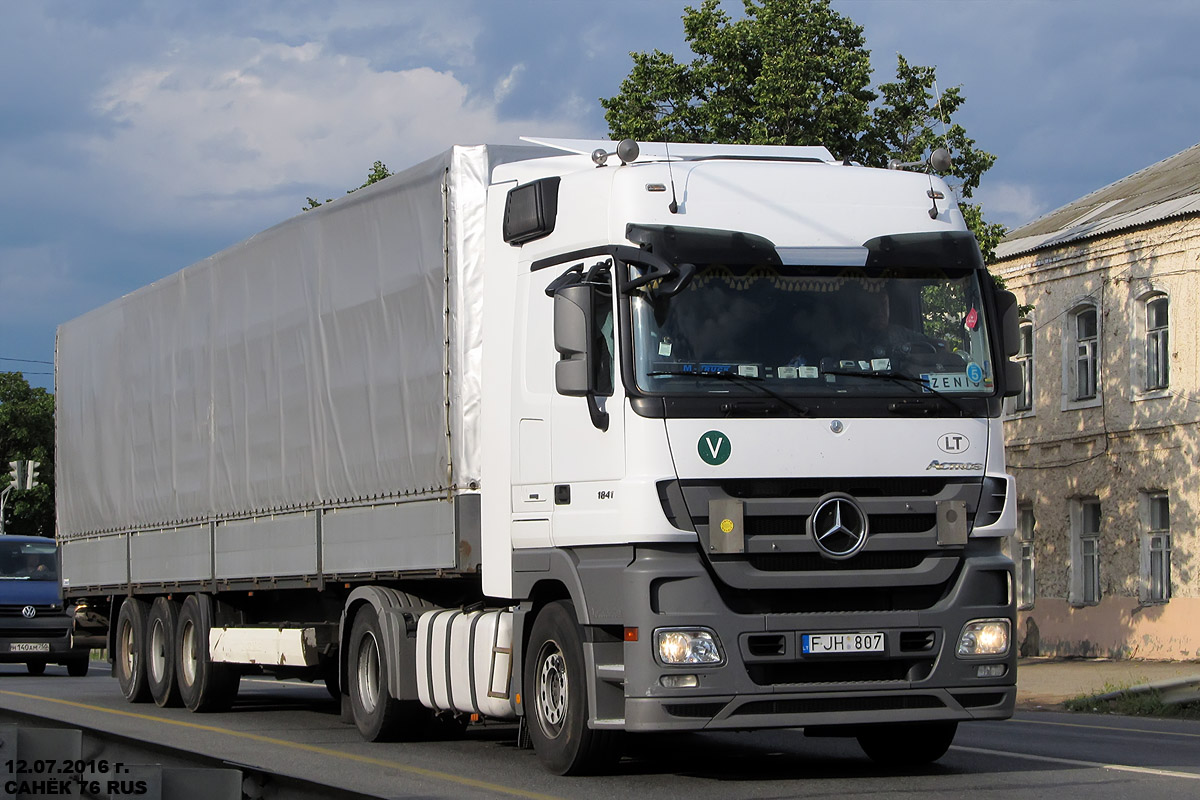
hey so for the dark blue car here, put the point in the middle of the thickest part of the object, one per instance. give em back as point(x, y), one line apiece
point(35, 627)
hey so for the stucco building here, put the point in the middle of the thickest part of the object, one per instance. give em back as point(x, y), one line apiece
point(1104, 440)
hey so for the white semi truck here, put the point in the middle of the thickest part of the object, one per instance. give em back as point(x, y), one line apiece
point(603, 438)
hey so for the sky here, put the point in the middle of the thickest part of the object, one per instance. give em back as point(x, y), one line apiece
point(139, 137)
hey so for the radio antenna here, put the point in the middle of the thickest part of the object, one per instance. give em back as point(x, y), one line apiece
point(674, 207)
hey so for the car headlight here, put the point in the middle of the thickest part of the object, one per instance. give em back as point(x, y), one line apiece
point(984, 637)
point(688, 646)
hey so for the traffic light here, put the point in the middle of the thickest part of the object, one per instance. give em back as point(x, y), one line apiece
point(31, 473)
point(17, 474)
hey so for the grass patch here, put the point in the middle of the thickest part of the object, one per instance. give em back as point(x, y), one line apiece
point(1142, 704)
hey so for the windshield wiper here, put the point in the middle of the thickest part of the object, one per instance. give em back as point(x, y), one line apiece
point(746, 380)
point(908, 381)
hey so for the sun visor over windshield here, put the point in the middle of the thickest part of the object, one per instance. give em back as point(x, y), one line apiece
point(948, 249)
point(680, 245)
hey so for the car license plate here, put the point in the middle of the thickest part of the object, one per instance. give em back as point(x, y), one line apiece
point(29, 647)
point(857, 642)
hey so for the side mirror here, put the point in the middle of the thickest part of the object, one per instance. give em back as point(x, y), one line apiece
point(573, 324)
point(1010, 333)
point(575, 335)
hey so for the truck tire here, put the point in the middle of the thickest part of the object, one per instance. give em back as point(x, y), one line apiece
point(378, 716)
point(160, 653)
point(129, 661)
point(556, 697)
point(907, 744)
point(204, 685)
point(36, 667)
point(78, 668)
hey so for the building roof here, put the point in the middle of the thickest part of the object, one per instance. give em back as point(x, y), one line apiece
point(1170, 188)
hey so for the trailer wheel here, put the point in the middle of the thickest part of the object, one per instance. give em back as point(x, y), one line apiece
point(129, 663)
point(907, 744)
point(204, 685)
point(160, 653)
point(78, 668)
point(378, 716)
point(36, 667)
point(556, 703)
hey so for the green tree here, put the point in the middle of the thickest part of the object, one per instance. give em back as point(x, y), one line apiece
point(27, 434)
point(378, 172)
point(796, 72)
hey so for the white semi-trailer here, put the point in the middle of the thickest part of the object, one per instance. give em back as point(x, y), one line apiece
point(691, 438)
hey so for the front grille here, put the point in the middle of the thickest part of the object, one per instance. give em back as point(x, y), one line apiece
point(15, 610)
point(917, 641)
point(833, 705)
point(834, 600)
point(9, 632)
point(980, 700)
point(798, 525)
point(800, 672)
point(693, 710)
point(816, 487)
point(814, 562)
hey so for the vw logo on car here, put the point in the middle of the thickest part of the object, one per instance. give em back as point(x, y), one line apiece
point(28, 612)
point(838, 525)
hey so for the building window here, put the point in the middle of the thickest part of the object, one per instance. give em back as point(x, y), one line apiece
point(1025, 565)
point(1157, 352)
point(1024, 357)
point(1086, 343)
point(1156, 549)
point(1085, 555)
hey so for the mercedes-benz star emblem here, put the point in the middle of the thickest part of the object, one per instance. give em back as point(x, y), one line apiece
point(838, 526)
point(28, 612)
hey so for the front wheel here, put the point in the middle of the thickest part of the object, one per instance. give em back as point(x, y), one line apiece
point(907, 744)
point(36, 667)
point(78, 668)
point(378, 716)
point(556, 703)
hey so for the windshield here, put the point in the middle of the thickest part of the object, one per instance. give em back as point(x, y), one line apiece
point(28, 561)
point(815, 331)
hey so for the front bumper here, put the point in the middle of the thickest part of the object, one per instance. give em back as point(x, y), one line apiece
point(767, 682)
point(44, 639)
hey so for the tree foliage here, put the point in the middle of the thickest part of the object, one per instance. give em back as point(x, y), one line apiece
point(796, 72)
point(27, 434)
point(378, 172)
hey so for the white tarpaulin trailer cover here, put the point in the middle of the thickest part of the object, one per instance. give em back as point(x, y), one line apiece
point(306, 366)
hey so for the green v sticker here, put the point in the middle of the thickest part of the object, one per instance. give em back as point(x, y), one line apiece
point(714, 448)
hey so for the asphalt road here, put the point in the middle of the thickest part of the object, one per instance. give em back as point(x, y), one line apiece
point(295, 729)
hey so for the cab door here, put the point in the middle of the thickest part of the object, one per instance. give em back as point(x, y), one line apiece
point(587, 435)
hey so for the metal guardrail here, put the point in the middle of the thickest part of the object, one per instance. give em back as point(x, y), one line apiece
point(1171, 692)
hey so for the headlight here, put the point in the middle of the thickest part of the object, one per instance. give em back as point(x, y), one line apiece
point(984, 637)
point(688, 646)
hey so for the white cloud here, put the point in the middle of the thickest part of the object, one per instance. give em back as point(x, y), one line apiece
point(505, 85)
point(224, 122)
point(1012, 204)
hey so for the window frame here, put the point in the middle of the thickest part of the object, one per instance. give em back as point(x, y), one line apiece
point(1086, 585)
point(1156, 369)
point(1026, 557)
point(1072, 343)
point(1022, 404)
point(1156, 547)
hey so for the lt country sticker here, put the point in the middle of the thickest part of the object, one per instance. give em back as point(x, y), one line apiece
point(714, 448)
